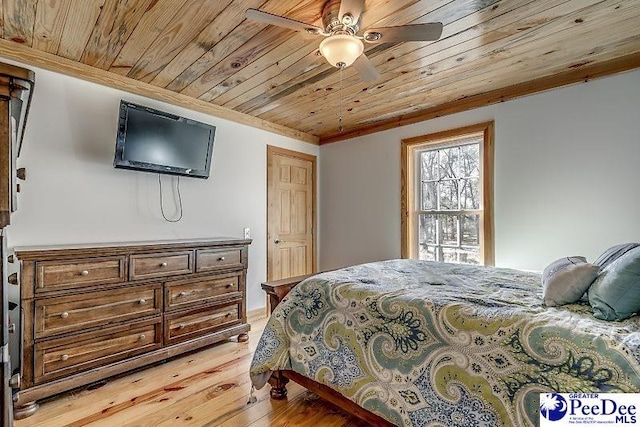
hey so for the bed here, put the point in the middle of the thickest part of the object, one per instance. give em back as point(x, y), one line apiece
point(418, 343)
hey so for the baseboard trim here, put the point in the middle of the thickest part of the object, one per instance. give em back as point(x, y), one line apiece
point(257, 314)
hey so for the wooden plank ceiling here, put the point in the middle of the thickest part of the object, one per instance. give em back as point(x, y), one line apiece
point(490, 50)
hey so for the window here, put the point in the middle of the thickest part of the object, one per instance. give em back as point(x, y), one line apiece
point(447, 196)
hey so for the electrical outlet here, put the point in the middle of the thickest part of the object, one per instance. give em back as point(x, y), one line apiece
point(247, 233)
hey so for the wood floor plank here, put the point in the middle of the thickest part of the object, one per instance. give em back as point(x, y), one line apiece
point(262, 407)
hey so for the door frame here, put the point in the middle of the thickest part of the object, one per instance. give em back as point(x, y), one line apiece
point(271, 151)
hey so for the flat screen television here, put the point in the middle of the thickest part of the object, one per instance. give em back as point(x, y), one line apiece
point(155, 141)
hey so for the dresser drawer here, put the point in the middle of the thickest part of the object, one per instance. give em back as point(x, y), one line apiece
point(64, 274)
point(206, 290)
point(83, 311)
point(195, 323)
point(70, 355)
point(208, 260)
point(160, 264)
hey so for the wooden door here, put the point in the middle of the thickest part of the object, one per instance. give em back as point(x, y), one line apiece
point(291, 213)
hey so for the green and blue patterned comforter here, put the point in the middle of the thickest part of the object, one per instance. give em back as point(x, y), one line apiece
point(423, 343)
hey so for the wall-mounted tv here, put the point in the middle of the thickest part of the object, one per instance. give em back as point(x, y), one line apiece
point(155, 141)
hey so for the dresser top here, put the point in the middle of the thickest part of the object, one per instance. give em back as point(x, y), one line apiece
point(118, 248)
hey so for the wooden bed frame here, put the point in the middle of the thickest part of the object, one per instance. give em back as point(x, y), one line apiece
point(276, 291)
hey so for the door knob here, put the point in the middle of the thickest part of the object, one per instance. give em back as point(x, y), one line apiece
point(276, 241)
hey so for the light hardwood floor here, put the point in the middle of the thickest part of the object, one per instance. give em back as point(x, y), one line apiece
point(207, 388)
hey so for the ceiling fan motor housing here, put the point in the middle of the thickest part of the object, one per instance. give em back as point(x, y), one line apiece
point(331, 20)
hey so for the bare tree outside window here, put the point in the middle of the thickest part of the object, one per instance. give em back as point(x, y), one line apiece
point(449, 202)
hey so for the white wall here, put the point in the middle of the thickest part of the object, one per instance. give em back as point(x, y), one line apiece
point(74, 195)
point(567, 174)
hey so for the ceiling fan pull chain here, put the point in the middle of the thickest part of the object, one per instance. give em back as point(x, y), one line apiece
point(340, 127)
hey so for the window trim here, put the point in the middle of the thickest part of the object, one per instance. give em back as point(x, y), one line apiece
point(407, 179)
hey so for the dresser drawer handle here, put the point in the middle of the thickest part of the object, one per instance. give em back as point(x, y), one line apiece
point(228, 315)
point(164, 264)
point(182, 294)
point(142, 337)
point(64, 315)
point(181, 326)
point(230, 285)
point(142, 301)
point(221, 258)
point(64, 357)
point(84, 272)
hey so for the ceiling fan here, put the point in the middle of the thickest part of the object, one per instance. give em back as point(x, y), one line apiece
point(343, 46)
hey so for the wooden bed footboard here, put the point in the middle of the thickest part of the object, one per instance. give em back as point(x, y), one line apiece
point(277, 290)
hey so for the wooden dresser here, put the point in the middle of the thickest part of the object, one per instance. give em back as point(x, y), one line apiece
point(94, 311)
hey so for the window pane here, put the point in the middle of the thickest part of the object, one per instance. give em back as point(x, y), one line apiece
point(427, 252)
point(464, 255)
point(470, 229)
point(429, 165)
point(427, 231)
point(469, 255)
point(449, 162)
point(470, 193)
point(469, 161)
point(448, 181)
point(429, 196)
point(449, 255)
point(448, 229)
point(448, 195)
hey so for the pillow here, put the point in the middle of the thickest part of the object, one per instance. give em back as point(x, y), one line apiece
point(613, 253)
point(615, 295)
point(565, 280)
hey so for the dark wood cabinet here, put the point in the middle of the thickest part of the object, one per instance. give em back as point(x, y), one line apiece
point(16, 89)
point(94, 311)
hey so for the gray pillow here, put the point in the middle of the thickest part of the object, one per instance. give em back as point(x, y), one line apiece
point(565, 280)
point(613, 253)
point(615, 295)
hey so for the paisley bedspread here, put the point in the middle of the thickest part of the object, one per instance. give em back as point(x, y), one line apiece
point(423, 343)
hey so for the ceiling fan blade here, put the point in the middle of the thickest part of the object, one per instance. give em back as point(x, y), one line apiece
point(281, 21)
point(351, 7)
point(365, 69)
point(405, 33)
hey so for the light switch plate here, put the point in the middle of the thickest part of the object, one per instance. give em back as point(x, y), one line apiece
point(247, 233)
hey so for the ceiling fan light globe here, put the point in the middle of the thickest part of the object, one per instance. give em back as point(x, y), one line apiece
point(341, 50)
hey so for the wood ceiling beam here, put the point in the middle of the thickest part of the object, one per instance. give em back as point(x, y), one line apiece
point(582, 74)
point(30, 56)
